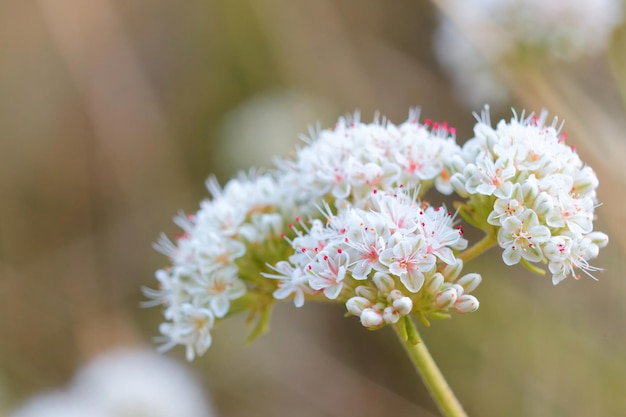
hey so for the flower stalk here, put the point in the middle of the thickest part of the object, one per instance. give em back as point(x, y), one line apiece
point(428, 369)
point(478, 248)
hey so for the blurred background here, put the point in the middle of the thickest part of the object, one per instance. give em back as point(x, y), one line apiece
point(112, 115)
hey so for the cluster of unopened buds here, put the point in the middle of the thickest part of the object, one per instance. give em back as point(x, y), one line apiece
point(344, 221)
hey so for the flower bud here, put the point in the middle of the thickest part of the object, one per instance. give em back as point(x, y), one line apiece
point(457, 182)
point(366, 292)
point(446, 297)
point(466, 304)
point(598, 238)
point(371, 318)
point(530, 189)
point(456, 164)
point(544, 204)
point(469, 282)
point(505, 190)
point(403, 305)
point(435, 283)
point(459, 289)
point(356, 305)
point(587, 248)
point(586, 181)
point(380, 306)
point(390, 315)
point(383, 282)
point(451, 272)
point(394, 295)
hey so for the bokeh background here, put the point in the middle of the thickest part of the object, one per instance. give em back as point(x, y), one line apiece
point(112, 115)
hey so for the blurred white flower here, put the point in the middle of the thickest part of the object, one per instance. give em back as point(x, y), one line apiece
point(475, 36)
point(57, 404)
point(124, 383)
point(129, 383)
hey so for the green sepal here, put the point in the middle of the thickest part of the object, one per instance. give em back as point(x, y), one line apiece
point(262, 315)
point(422, 318)
point(476, 211)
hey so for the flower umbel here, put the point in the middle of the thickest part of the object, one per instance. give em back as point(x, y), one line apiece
point(543, 208)
point(377, 259)
point(344, 221)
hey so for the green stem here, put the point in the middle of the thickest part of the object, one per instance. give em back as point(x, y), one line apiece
point(427, 368)
point(478, 248)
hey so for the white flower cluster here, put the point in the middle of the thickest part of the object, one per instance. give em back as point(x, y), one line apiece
point(228, 242)
point(359, 238)
point(206, 272)
point(346, 163)
point(475, 36)
point(544, 195)
point(378, 259)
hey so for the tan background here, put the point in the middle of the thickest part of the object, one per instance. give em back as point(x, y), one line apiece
point(112, 115)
